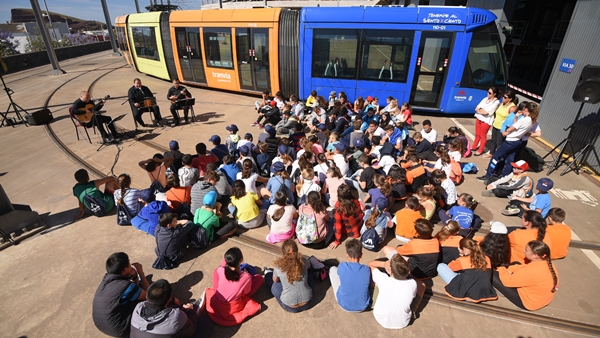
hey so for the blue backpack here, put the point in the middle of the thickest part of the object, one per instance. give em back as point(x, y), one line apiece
point(96, 206)
point(370, 239)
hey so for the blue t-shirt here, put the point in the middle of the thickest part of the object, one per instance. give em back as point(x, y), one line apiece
point(541, 201)
point(353, 293)
point(220, 151)
point(463, 215)
point(273, 186)
point(231, 171)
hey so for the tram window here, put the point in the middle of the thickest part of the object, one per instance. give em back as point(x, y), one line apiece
point(144, 40)
point(334, 53)
point(485, 62)
point(122, 39)
point(385, 55)
point(217, 43)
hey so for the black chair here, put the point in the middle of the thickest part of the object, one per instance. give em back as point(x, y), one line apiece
point(180, 104)
point(78, 124)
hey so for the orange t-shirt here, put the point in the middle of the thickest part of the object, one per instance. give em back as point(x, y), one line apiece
point(178, 195)
point(533, 281)
point(561, 238)
point(518, 241)
point(464, 263)
point(405, 222)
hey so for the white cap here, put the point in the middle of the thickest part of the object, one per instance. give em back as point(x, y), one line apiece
point(498, 228)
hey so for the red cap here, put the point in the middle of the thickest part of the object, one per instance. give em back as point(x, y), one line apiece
point(521, 165)
point(369, 98)
point(273, 103)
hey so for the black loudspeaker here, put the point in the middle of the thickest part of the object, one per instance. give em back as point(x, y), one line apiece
point(37, 118)
point(588, 88)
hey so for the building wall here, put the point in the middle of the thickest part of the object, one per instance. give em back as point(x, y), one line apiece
point(558, 110)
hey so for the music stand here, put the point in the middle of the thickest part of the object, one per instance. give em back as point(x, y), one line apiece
point(189, 103)
point(118, 118)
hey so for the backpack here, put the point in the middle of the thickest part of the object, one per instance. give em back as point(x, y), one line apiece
point(535, 161)
point(123, 215)
point(156, 187)
point(285, 190)
point(370, 239)
point(302, 199)
point(232, 147)
point(456, 174)
point(307, 231)
point(96, 205)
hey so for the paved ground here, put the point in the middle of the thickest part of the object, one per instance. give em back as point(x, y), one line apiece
point(49, 279)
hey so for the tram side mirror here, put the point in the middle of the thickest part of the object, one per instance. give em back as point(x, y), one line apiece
point(507, 30)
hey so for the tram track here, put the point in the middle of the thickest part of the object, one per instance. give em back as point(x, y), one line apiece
point(564, 325)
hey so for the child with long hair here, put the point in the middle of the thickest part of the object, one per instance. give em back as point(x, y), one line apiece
point(425, 196)
point(533, 285)
point(127, 196)
point(332, 183)
point(468, 277)
point(449, 237)
point(383, 189)
point(249, 177)
point(449, 195)
point(248, 214)
point(229, 301)
point(456, 149)
point(307, 184)
point(495, 245)
point(279, 181)
point(177, 194)
point(456, 133)
point(281, 217)
point(534, 228)
point(377, 217)
point(462, 213)
point(314, 208)
point(443, 161)
point(348, 216)
point(289, 281)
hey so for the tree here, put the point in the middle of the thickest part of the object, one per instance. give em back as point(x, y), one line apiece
point(8, 44)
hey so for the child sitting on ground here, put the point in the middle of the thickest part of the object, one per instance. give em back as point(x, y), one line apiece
point(382, 190)
point(462, 213)
point(449, 237)
point(147, 219)
point(207, 217)
point(423, 251)
point(188, 175)
point(350, 280)
point(559, 233)
point(534, 228)
point(378, 219)
point(449, 194)
point(348, 216)
point(281, 218)
point(172, 239)
point(248, 214)
point(89, 195)
point(539, 202)
point(425, 196)
point(405, 220)
point(306, 185)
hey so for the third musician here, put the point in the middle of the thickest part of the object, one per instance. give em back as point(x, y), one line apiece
point(137, 95)
point(178, 92)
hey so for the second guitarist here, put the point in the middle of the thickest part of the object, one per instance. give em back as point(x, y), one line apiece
point(137, 94)
point(100, 121)
point(178, 92)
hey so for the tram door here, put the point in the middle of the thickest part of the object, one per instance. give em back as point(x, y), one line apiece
point(253, 58)
point(431, 69)
point(190, 55)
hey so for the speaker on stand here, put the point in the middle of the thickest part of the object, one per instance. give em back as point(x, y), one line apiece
point(586, 91)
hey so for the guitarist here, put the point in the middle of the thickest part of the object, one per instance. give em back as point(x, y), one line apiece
point(137, 93)
point(84, 101)
point(175, 93)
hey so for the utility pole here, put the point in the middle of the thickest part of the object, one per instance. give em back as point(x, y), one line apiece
point(50, 21)
point(44, 32)
point(113, 42)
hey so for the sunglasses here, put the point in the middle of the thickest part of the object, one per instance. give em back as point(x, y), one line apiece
point(506, 97)
point(490, 93)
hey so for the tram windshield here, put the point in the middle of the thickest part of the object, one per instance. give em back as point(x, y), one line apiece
point(486, 66)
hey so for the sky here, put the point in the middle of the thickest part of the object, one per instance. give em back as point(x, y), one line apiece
point(82, 9)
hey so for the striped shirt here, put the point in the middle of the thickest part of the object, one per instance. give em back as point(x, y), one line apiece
point(130, 200)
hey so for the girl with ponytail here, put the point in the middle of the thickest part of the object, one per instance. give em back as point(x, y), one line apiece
point(289, 281)
point(449, 239)
point(534, 228)
point(281, 218)
point(469, 276)
point(533, 285)
point(379, 218)
point(127, 196)
point(228, 302)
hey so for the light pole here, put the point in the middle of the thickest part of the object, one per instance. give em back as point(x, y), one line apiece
point(49, 20)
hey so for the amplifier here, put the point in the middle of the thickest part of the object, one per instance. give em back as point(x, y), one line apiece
point(37, 118)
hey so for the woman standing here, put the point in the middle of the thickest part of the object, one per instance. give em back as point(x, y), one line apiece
point(509, 105)
point(484, 113)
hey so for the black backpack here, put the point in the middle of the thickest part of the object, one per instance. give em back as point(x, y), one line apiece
point(96, 205)
point(123, 215)
point(370, 239)
point(535, 161)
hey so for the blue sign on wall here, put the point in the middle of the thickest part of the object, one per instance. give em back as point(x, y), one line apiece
point(567, 65)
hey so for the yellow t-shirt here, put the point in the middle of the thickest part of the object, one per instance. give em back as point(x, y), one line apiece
point(501, 114)
point(247, 209)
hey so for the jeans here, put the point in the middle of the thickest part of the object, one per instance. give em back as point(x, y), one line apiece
point(445, 272)
point(277, 290)
point(481, 130)
point(505, 154)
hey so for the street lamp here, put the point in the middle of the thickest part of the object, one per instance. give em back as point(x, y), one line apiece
point(49, 19)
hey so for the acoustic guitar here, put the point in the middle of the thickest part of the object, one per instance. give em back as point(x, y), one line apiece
point(84, 116)
point(182, 92)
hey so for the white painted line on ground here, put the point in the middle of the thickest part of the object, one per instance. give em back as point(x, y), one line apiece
point(589, 253)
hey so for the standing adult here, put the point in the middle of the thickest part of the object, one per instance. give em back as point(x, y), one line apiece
point(509, 105)
point(137, 94)
point(484, 113)
point(178, 92)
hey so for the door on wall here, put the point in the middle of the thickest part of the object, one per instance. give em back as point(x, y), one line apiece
point(190, 55)
point(253, 58)
point(431, 70)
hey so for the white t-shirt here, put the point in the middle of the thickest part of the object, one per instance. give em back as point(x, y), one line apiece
point(446, 168)
point(375, 151)
point(455, 155)
point(285, 222)
point(308, 186)
point(341, 163)
point(244, 142)
point(522, 126)
point(449, 191)
point(430, 136)
point(534, 128)
point(379, 132)
point(489, 107)
point(386, 162)
point(249, 182)
point(321, 171)
point(392, 306)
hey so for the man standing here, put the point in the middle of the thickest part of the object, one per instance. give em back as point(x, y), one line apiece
point(176, 93)
point(78, 109)
point(137, 94)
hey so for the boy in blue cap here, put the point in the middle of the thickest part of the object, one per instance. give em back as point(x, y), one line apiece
point(232, 139)
point(208, 217)
point(220, 150)
point(540, 202)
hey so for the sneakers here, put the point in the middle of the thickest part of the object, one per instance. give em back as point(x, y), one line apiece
point(254, 124)
point(483, 179)
point(260, 126)
point(267, 270)
point(487, 193)
point(511, 210)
